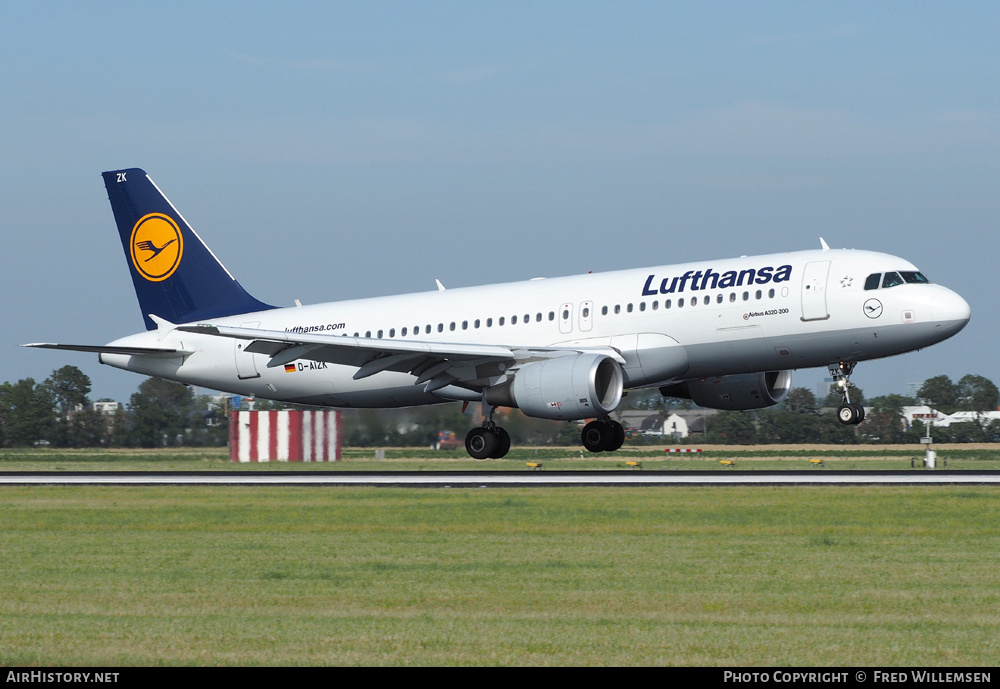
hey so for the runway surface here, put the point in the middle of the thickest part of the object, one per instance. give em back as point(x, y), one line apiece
point(505, 478)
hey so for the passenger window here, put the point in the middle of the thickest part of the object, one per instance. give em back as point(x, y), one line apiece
point(440, 327)
point(873, 280)
point(642, 306)
point(604, 310)
point(732, 296)
point(656, 305)
point(718, 298)
point(770, 294)
point(476, 324)
point(513, 320)
point(618, 308)
point(566, 314)
point(759, 294)
point(891, 280)
point(666, 304)
point(500, 321)
point(680, 302)
point(629, 308)
point(552, 315)
point(489, 322)
point(392, 332)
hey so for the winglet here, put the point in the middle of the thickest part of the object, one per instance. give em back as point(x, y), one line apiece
point(826, 247)
point(440, 286)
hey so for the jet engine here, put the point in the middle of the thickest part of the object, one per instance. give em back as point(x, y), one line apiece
point(738, 392)
point(578, 386)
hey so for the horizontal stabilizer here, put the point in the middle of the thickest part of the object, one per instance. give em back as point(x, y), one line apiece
point(108, 349)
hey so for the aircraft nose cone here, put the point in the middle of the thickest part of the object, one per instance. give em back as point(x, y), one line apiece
point(952, 311)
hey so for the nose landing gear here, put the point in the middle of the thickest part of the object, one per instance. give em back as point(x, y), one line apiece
point(848, 413)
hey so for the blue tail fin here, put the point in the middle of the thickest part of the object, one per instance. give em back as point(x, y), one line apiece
point(176, 276)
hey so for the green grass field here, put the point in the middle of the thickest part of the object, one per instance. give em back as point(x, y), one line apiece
point(746, 458)
point(564, 576)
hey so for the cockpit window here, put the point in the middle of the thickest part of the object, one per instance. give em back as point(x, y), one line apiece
point(891, 280)
point(914, 277)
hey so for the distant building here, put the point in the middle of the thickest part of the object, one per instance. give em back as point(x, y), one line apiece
point(682, 423)
point(921, 414)
point(106, 408)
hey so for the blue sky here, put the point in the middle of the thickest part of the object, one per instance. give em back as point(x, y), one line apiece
point(336, 150)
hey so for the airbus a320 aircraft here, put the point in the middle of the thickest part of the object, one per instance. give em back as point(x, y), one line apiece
point(725, 334)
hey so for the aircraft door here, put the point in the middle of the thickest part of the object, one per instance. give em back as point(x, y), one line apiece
point(246, 363)
point(566, 318)
point(814, 291)
point(586, 315)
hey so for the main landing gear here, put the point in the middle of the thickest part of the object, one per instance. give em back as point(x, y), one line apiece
point(487, 441)
point(603, 435)
point(848, 413)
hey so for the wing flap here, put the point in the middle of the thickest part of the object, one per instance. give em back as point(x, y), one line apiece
point(329, 345)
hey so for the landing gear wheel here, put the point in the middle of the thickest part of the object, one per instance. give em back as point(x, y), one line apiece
point(603, 435)
point(480, 443)
point(595, 436)
point(503, 443)
point(618, 437)
point(850, 414)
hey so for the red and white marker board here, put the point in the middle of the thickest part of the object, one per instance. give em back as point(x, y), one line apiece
point(284, 436)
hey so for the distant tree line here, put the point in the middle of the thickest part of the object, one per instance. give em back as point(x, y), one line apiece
point(160, 413)
point(59, 412)
point(799, 419)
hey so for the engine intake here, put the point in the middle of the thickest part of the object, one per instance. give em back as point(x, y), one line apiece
point(739, 392)
point(568, 387)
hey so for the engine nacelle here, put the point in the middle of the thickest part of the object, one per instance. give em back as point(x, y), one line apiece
point(745, 391)
point(568, 387)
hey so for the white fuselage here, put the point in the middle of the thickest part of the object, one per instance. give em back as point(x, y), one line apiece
point(669, 323)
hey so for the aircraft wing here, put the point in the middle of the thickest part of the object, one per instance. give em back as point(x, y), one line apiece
point(436, 364)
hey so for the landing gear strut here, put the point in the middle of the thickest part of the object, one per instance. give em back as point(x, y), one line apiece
point(603, 435)
point(487, 441)
point(848, 413)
